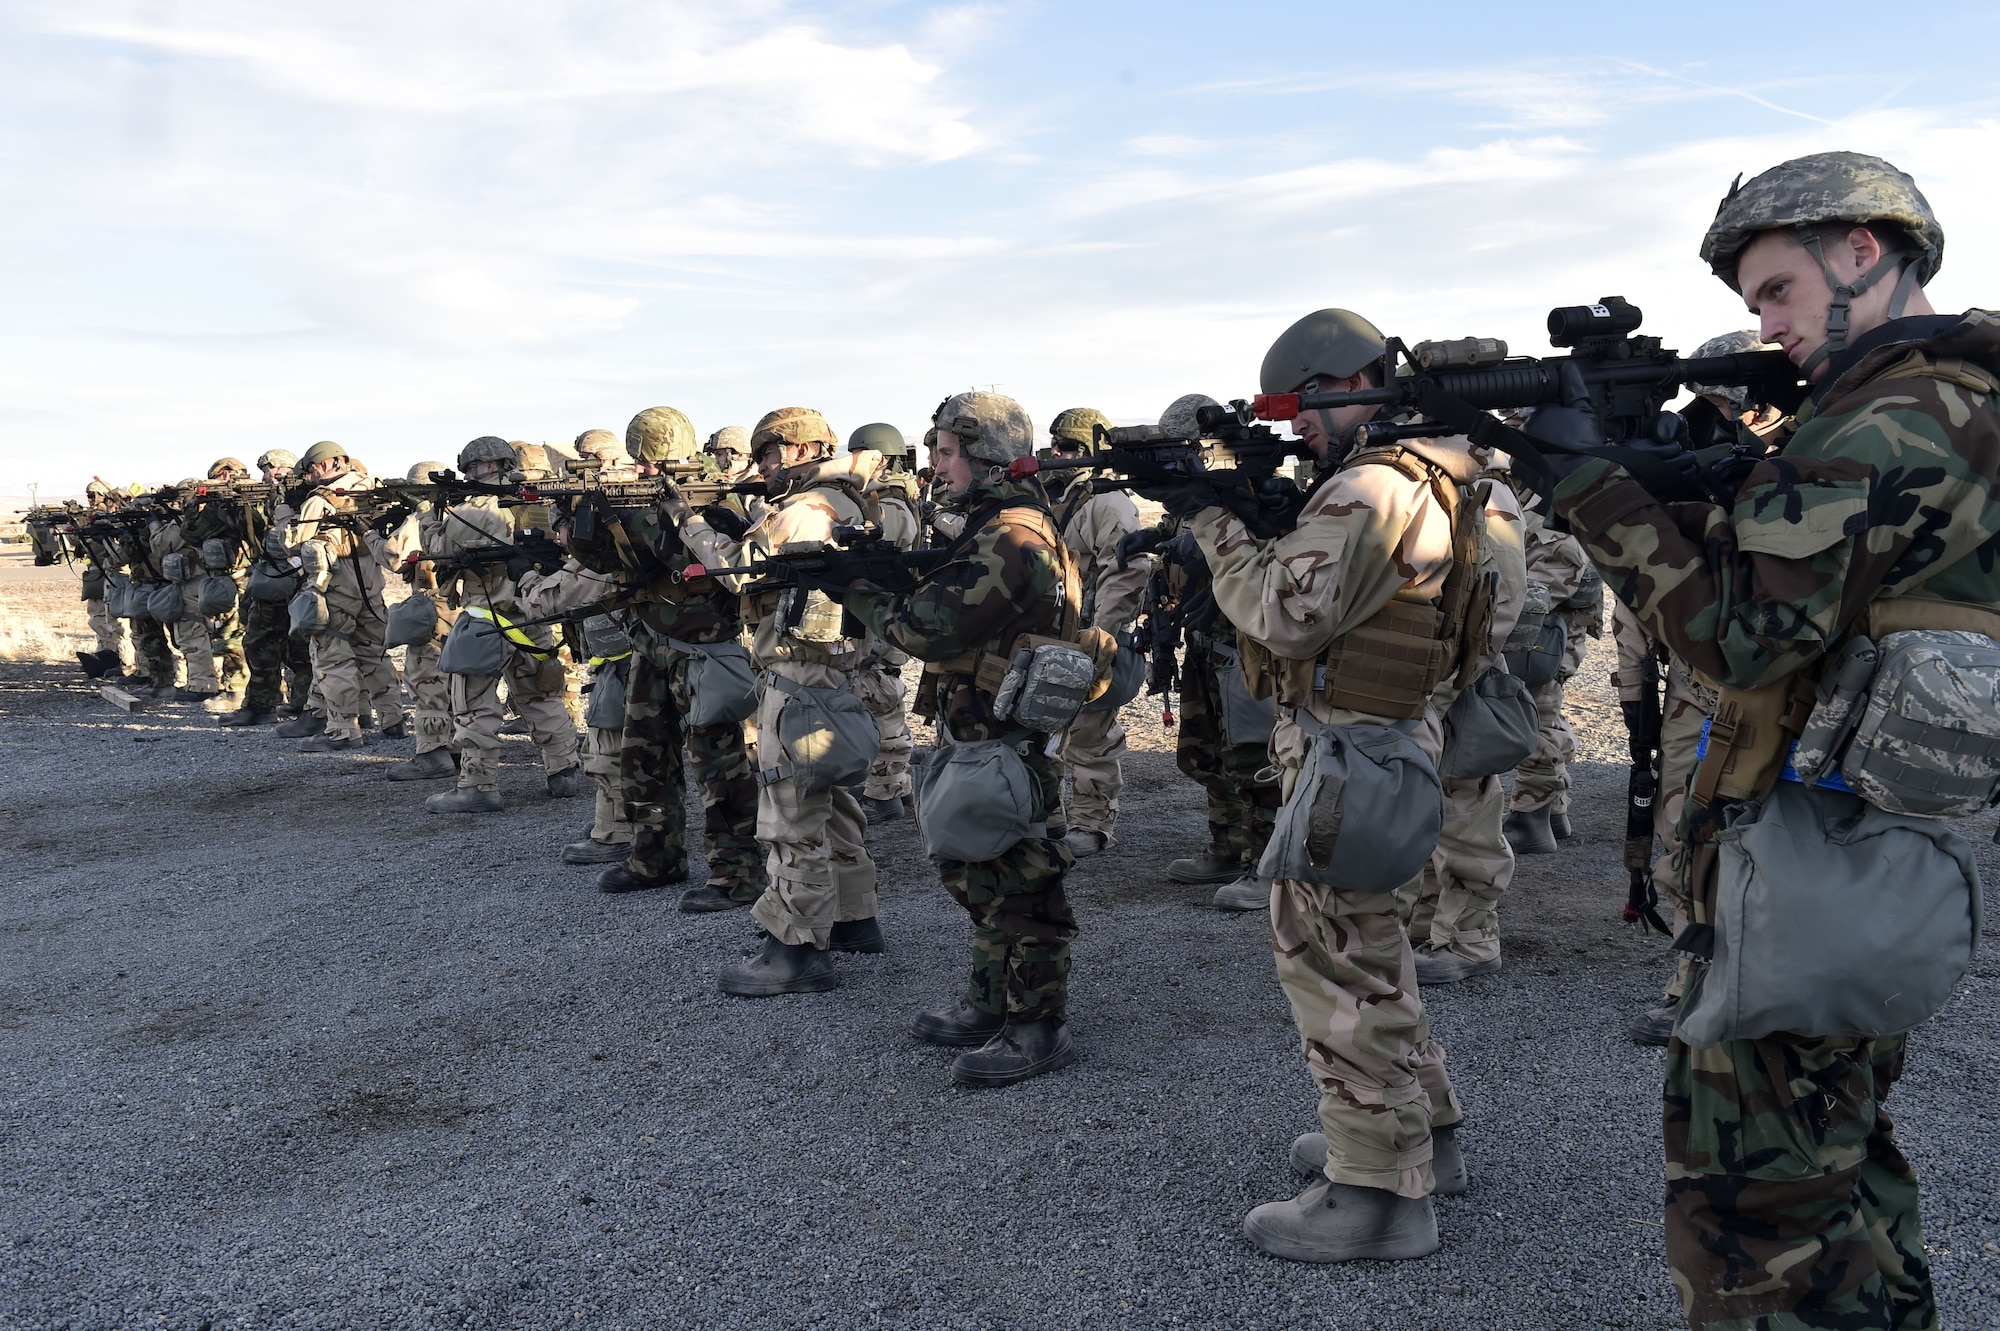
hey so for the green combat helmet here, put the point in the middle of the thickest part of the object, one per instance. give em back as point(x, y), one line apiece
point(661, 434)
point(325, 450)
point(991, 428)
point(1807, 193)
point(1076, 426)
point(794, 425)
point(1728, 344)
point(1178, 422)
point(1331, 344)
point(486, 448)
point(880, 438)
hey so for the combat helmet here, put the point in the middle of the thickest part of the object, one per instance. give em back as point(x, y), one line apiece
point(229, 464)
point(423, 471)
point(97, 489)
point(1807, 192)
point(990, 427)
point(486, 448)
point(660, 434)
point(730, 439)
point(323, 451)
point(1077, 426)
point(879, 437)
point(1178, 422)
point(793, 425)
point(1330, 344)
point(271, 459)
point(533, 460)
point(1729, 344)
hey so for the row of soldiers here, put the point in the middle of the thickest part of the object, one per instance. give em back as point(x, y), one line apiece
point(1322, 666)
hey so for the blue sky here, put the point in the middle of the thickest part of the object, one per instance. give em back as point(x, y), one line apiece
point(232, 226)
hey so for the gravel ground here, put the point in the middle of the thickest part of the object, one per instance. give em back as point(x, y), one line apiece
point(280, 1049)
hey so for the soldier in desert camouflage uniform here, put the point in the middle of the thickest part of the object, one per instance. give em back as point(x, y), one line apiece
point(1009, 576)
point(1789, 1204)
point(269, 649)
point(1538, 812)
point(430, 690)
point(878, 680)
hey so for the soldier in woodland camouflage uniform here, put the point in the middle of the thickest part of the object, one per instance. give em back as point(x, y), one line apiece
point(1374, 546)
point(821, 895)
point(114, 642)
point(1011, 576)
point(1788, 1201)
point(878, 680)
point(1093, 525)
point(668, 618)
point(546, 595)
point(268, 645)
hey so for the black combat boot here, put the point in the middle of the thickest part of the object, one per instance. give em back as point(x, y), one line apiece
point(1527, 831)
point(592, 851)
point(620, 878)
point(1020, 1051)
point(1211, 866)
point(708, 899)
point(780, 968)
point(430, 765)
point(303, 726)
point(882, 811)
point(857, 936)
point(1559, 826)
point(247, 716)
point(957, 1025)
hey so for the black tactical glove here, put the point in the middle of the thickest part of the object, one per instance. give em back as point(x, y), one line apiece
point(1561, 437)
point(1186, 551)
point(1144, 541)
point(519, 565)
point(1181, 499)
point(726, 521)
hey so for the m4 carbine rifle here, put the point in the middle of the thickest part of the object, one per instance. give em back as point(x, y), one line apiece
point(1147, 458)
point(858, 554)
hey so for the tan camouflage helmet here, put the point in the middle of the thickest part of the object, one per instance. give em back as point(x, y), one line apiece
point(533, 460)
point(323, 451)
point(1729, 344)
point(730, 439)
point(97, 489)
point(236, 465)
point(423, 471)
point(486, 448)
point(660, 434)
point(274, 459)
point(990, 427)
point(604, 446)
point(879, 437)
point(794, 425)
point(1178, 422)
point(1329, 344)
point(1804, 195)
point(1076, 426)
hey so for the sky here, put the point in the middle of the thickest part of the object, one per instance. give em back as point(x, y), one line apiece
point(230, 226)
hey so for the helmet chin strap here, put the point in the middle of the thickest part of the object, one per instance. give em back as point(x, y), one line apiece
point(1837, 322)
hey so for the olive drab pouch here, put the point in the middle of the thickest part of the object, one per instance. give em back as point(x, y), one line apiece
point(1246, 718)
point(216, 595)
point(1832, 918)
point(975, 801)
point(1541, 661)
point(176, 568)
point(1928, 741)
point(828, 737)
point(1492, 727)
point(721, 682)
point(606, 709)
point(308, 611)
point(93, 583)
point(1364, 814)
point(1046, 684)
point(475, 646)
point(411, 621)
point(216, 555)
point(163, 603)
point(272, 583)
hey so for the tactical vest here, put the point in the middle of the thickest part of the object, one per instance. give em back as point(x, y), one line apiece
point(1391, 663)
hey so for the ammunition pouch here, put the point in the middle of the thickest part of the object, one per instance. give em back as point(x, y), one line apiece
point(1364, 813)
point(606, 709)
point(975, 801)
point(411, 621)
point(721, 682)
point(827, 736)
point(216, 595)
point(93, 583)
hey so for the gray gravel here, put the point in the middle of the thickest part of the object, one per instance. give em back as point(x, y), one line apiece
point(280, 1049)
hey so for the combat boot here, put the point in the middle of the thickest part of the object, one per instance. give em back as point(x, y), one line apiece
point(328, 744)
point(1211, 866)
point(957, 1025)
point(1559, 827)
point(1247, 893)
point(1083, 842)
point(592, 851)
point(303, 726)
point(430, 765)
point(247, 716)
point(1527, 831)
point(882, 811)
point(93, 663)
point(193, 695)
point(1339, 1222)
point(290, 709)
point(1447, 1161)
point(857, 936)
point(708, 899)
point(563, 784)
point(465, 799)
point(1021, 1050)
point(1655, 1026)
point(1440, 965)
point(779, 968)
point(401, 730)
point(619, 878)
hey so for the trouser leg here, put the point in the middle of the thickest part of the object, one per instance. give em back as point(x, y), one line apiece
point(337, 671)
point(266, 628)
point(1542, 782)
point(476, 719)
point(882, 691)
point(536, 688)
point(1680, 734)
point(430, 695)
point(651, 769)
point(1093, 754)
point(1468, 872)
point(192, 638)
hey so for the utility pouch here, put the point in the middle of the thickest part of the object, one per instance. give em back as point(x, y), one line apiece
point(721, 683)
point(411, 621)
point(216, 555)
point(1492, 727)
point(1364, 814)
point(1837, 708)
point(270, 582)
point(1542, 660)
point(174, 568)
point(810, 615)
point(975, 801)
point(163, 602)
point(607, 696)
point(308, 611)
point(1534, 609)
point(605, 639)
point(124, 598)
point(216, 595)
point(827, 736)
point(1128, 673)
point(475, 646)
point(1246, 718)
point(1046, 684)
point(1928, 742)
point(93, 583)
point(1832, 918)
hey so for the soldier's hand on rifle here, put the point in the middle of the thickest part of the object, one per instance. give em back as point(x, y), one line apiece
point(674, 504)
point(1145, 541)
point(726, 521)
point(1181, 498)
